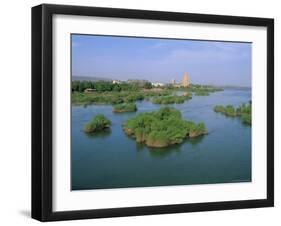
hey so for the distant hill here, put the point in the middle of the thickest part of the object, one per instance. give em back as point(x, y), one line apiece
point(88, 78)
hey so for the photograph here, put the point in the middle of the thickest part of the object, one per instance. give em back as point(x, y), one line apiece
point(150, 111)
point(141, 112)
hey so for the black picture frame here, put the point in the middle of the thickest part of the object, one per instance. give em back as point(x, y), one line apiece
point(42, 111)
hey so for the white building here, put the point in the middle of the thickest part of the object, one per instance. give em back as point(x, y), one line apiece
point(116, 81)
point(157, 84)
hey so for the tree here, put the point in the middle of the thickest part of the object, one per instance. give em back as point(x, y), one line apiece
point(98, 123)
point(147, 85)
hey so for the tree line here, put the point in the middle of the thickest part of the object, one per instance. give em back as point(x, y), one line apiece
point(102, 86)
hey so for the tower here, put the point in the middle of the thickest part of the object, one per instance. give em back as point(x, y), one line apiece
point(185, 80)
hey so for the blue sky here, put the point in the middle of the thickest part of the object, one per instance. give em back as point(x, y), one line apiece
point(207, 62)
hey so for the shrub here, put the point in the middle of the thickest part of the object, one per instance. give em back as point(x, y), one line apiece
point(246, 118)
point(171, 99)
point(98, 123)
point(244, 111)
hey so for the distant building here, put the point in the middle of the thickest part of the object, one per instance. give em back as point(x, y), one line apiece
point(116, 81)
point(185, 80)
point(157, 84)
point(89, 90)
point(174, 83)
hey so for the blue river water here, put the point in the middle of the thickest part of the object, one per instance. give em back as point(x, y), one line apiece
point(113, 160)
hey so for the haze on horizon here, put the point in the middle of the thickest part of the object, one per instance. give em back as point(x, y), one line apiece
point(161, 60)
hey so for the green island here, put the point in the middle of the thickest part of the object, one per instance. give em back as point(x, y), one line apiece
point(125, 107)
point(162, 128)
point(171, 99)
point(201, 93)
point(203, 90)
point(244, 111)
point(98, 123)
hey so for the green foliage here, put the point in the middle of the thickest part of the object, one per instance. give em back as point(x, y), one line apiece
point(158, 93)
point(133, 96)
point(147, 85)
point(203, 90)
point(113, 97)
point(125, 107)
point(244, 111)
point(98, 123)
point(162, 128)
point(202, 93)
point(171, 99)
point(219, 108)
point(103, 86)
point(246, 118)
point(197, 90)
point(230, 110)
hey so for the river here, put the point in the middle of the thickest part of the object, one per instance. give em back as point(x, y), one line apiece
point(113, 160)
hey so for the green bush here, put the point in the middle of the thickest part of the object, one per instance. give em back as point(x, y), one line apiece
point(203, 90)
point(244, 111)
point(98, 123)
point(219, 108)
point(171, 99)
point(246, 118)
point(202, 93)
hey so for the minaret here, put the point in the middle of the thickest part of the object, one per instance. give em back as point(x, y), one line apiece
point(185, 80)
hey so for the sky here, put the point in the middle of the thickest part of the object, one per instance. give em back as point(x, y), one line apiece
point(161, 60)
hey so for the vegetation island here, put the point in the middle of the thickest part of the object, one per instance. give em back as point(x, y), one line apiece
point(162, 128)
point(98, 123)
point(174, 99)
point(124, 107)
point(244, 111)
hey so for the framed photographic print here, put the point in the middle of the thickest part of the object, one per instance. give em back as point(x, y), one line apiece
point(145, 112)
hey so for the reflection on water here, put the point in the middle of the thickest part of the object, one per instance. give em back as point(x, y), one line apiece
point(159, 152)
point(111, 159)
point(196, 140)
point(100, 134)
point(163, 152)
